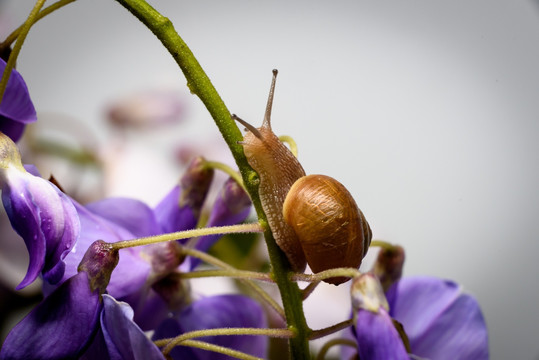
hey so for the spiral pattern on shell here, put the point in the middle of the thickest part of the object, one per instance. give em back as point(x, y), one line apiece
point(332, 231)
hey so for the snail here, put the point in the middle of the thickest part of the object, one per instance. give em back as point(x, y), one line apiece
point(314, 218)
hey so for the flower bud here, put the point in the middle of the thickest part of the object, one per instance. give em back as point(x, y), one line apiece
point(195, 184)
point(174, 290)
point(181, 208)
point(388, 266)
point(165, 257)
point(232, 206)
point(98, 262)
point(367, 294)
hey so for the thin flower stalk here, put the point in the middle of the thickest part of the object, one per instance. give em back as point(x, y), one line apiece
point(219, 349)
point(309, 289)
point(322, 275)
point(228, 270)
point(169, 344)
point(317, 334)
point(232, 229)
point(227, 170)
point(382, 244)
point(331, 343)
point(291, 143)
point(232, 273)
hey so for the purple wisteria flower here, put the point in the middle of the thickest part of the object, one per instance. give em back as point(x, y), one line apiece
point(441, 321)
point(146, 276)
point(40, 213)
point(78, 320)
point(86, 306)
point(65, 322)
point(16, 108)
point(376, 336)
point(426, 317)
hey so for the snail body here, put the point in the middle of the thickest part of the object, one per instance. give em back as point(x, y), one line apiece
point(314, 219)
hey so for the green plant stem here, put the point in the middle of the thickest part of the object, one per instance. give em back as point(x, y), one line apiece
point(200, 85)
point(25, 28)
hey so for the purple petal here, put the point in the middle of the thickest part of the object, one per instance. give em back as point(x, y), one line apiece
point(129, 276)
point(232, 206)
point(124, 339)
point(16, 108)
point(97, 348)
point(133, 215)
point(171, 216)
point(56, 252)
point(218, 312)
point(32, 169)
point(60, 327)
point(180, 209)
point(440, 321)
point(377, 338)
point(33, 238)
point(420, 298)
point(44, 217)
point(130, 273)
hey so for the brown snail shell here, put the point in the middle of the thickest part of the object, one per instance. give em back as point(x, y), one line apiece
point(331, 229)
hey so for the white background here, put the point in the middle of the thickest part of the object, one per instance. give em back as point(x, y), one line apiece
point(426, 110)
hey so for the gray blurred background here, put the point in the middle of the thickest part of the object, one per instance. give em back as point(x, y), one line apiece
point(426, 110)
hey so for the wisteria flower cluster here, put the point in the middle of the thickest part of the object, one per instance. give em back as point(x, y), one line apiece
point(116, 272)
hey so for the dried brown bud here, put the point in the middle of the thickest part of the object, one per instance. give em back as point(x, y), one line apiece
point(388, 266)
